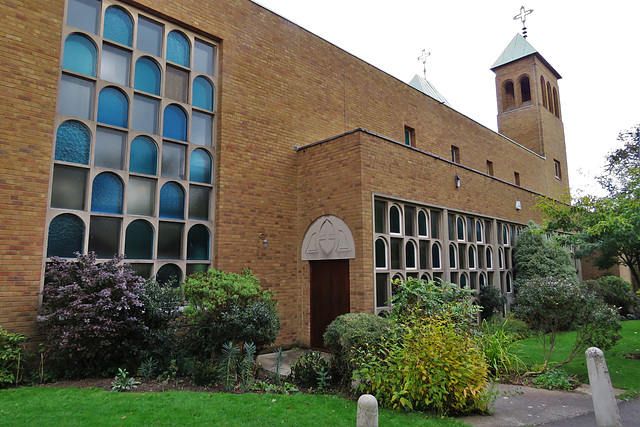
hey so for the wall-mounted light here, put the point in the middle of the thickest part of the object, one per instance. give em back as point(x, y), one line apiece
point(518, 205)
point(265, 243)
point(458, 182)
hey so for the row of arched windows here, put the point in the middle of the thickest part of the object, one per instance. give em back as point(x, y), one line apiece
point(515, 99)
point(73, 145)
point(550, 97)
point(81, 56)
point(67, 234)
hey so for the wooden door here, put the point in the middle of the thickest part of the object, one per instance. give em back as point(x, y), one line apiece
point(329, 295)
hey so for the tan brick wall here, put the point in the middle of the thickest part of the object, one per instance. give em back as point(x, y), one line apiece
point(29, 60)
point(280, 86)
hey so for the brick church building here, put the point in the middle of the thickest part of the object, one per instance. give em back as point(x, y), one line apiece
point(217, 134)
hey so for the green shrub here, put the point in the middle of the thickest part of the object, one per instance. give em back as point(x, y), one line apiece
point(224, 307)
point(423, 298)
point(616, 292)
point(491, 300)
point(434, 367)
point(351, 332)
point(309, 369)
point(535, 256)
point(550, 306)
point(12, 357)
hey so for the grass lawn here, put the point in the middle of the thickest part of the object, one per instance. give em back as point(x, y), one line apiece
point(52, 406)
point(624, 372)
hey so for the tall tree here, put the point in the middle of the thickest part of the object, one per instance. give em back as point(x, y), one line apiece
point(606, 228)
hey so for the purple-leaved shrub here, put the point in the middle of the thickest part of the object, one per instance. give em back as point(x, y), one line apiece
point(90, 312)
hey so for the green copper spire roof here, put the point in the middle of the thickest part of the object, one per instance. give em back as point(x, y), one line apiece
point(517, 49)
point(428, 89)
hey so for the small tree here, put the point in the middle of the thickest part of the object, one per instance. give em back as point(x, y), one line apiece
point(550, 306)
point(491, 300)
point(535, 256)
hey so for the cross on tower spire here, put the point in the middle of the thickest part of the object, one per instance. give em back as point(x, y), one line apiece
point(523, 17)
point(423, 58)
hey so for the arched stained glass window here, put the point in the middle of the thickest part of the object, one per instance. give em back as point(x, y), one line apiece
point(107, 193)
point(148, 76)
point(422, 224)
point(66, 236)
point(435, 257)
point(175, 123)
point(464, 280)
point(489, 258)
point(118, 26)
point(113, 107)
point(453, 256)
point(144, 156)
point(169, 274)
point(73, 143)
point(410, 255)
point(202, 93)
point(178, 49)
point(200, 166)
point(172, 201)
point(394, 220)
point(381, 253)
point(80, 55)
point(479, 232)
point(500, 258)
point(460, 228)
point(198, 240)
point(472, 257)
point(139, 240)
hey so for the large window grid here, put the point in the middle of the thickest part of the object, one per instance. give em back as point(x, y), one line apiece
point(134, 143)
point(423, 242)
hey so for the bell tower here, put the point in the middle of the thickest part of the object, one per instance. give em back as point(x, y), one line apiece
point(529, 111)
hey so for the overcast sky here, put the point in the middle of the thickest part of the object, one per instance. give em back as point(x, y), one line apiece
point(595, 46)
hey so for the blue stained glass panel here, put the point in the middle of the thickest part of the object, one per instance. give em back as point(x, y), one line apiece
point(198, 243)
point(118, 26)
point(171, 201)
point(84, 14)
point(147, 76)
point(107, 194)
point(80, 55)
point(73, 143)
point(202, 93)
point(144, 156)
point(113, 107)
point(178, 49)
point(175, 123)
point(139, 240)
point(200, 166)
point(66, 236)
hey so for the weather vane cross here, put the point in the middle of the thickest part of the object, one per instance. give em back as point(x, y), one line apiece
point(423, 58)
point(523, 17)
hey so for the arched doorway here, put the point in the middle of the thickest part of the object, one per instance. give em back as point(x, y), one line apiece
point(328, 246)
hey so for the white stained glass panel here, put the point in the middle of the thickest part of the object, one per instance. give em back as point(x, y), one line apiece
point(141, 196)
point(201, 128)
point(76, 97)
point(145, 114)
point(84, 14)
point(149, 36)
point(173, 160)
point(203, 57)
point(115, 65)
point(110, 148)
